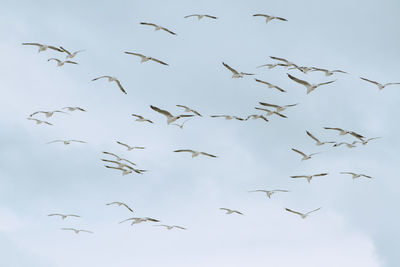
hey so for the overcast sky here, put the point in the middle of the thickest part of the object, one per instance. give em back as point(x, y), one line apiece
point(358, 222)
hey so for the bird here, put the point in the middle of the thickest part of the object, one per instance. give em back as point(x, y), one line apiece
point(348, 145)
point(119, 163)
point(303, 215)
point(308, 177)
point(69, 54)
point(270, 85)
point(356, 175)
point(118, 158)
point(43, 47)
point(128, 147)
point(380, 85)
point(268, 18)
point(285, 63)
point(328, 72)
point(170, 227)
point(141, 118)
point(200, 16)
point(66, 142)
point(61, 63)
point(124, 171)
point(364, 142)
point(170, 117)
point(255, 116)
point(310, 87)
point(229, 211)
point(144, 58)
point(74, 108)
point(77, 231)
point(48, 114)
point(305, 156)
point(269, 193)
point(195, 153)
point(270, 112)
point(318, 142)
point(157, 27)
point(227, 117)
point(181, 125)
point(112, 79)
point(187, 109)
point(277, 107)
point(236, 74)
point(120, 204)
point(64, 216)
point(39, 121)
point(271, 66)
point(136, 220)
point(344, 132)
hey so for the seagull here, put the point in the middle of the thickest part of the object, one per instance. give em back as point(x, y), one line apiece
point(47, 113)
point(269, 192)
point(229, 211)
point(227, 117)
point(305, 157)
point(349, 145)
point(141, 118)
point(187, 109)
point(181, 125)
point(64, 216)
point(255, 116)
point(308, 177)
point(74, 108)
point(356, 175)
point(270, 112)
point(118, 158)
point(43, 47)
point(170, 227)
point(344, 132)
point(120, 204)
point(328, 72)
point(269, 18)
point(364, 142)
point(120, 164)
point(271, 66)
point(136, 220)
point(380, 85)
point(66, 142)
point(124, 171)
point(146, 58)
point(318, 143)
point(200, 16)
point(310, 87)
point(157, 27)
point(39, 121)
point(195, 153)
point(61, 63)
point(270, 85)
point(112, 79)
point(236, 74)
point(170, 117)
point(303, 215)
point(128, 147)
point(77, 230)
point(287, 63)
point(277, 107)
point(69, 54)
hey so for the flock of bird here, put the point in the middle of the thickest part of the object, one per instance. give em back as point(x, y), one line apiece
point(115, 162)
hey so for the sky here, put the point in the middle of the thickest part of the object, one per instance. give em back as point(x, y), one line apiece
point(356, 225)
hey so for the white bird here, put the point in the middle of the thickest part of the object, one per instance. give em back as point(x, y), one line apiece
point(112, 79)
point(136, 220)
point(66, 142)
point(128, 147)
point(170, 227)
point(277, 107)
point(74, 108)
point(43, 47)
point(344, 132)
point(77, 231)
point(328, 72)
point(120, 204)
point(48, 114)
point(170, 117)
point(348, 145)
point(310, 87)
point(187, 109)
point(286, 62)
point(141, 118)
point(69, 54)
point(270, 85)
point(229, 211)
point(200, 16)
point(269, 193)
point(308, 177)
point(236, 74)
point(270, 112)
point(39, 121)
point(364, 142)
point(157, 27)
point(195, 153)
point(64, 216)
point(318, 142)
point(256, 116)
point(181, 125)
point(303, 215)
point(305, 156)
point(124, 171)
point(356, 175)
point(380, 85)
point(268, 18)
point(61, 63)
point(144, 58)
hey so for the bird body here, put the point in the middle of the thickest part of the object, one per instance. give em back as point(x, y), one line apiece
point(310, 87)
point(356, 175)
point(235, 73)
point(308, 177)
point(112, 79)
point(268, 18)
point(230, 211)
point(61, 63)
point(269, 193)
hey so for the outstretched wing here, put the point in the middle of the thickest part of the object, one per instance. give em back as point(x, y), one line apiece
point(120, 86)
point(162, 111)
point(298, 151)
point(230, 68)
point(206, 154)
point(313, 137)
point(298, 80)
point(295, 212)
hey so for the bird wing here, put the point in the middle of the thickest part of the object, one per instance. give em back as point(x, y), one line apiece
point(130, 162)
point(298, 80)
point(325, 83)
point(356, 135)
point(86, 231)
point(312, 136)
point(336, 129)
point(278, 58)
point(65, 50)
point(112, 154)
point(260, 15)
point(185, 150)
point(280, 190)
point(211, 17)
point(120, 86)
point(295, 212)
point(320, 174)
point(193, 15)
point(230, 68)
point(352, 173)
point(366, 176)
point(71, 62)
point(56, 59)
point(280, 114)
point(55, 214)
point(280, 18)
point(269, 105)
point(55, 141)
point(37, 44)
point(299, 176)
point(159, 61)
point(386, 84)
point(95, 79)
point(165, 29)
point(55, 48)
point(135, 54)
point(77, 141)
point(369, 81)
point(149, 24)
point(312, 211)
point(162, 111)
point(298, 151)
point(206, 154)
point(126, 206)
point(179, 227)
point(122, 144)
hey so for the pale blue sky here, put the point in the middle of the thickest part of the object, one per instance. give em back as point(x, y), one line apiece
point(356, 226)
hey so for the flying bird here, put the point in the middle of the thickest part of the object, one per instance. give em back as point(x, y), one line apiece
point(305, 156)
point(344, 132)
point(270, 85)
point(48, 114)
point(118, 158)
point(310, 87)
point(286, 62)
point(77, 231)
point(128, 147)
point(66, 142)
point(39, 121)
point(181, 125)
point(195, 153)
point(141, 118)
point(380, 85)
point(170, 227)
point(64, 216)
point(328, 72)
point(255, 117)
point(187, 109)
point(356, 175)
point(200, 16)
point(112, 79)
point(268, 18)
point(236, 74)
point(69, 54)
point(144, 58)
point(318, 142)
point(348, 145)
point(136, 220)
point(120, 204)
point(43, 47)
point(157, 27)
point(269, 193)
point(170, 117)
point(124, 171)
point(308, 177)
point(61, 63)
point(277, 107)
point(364, 142)
point(303, 215)
point(270, 112)
point(229, 211)
point(74, 108)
